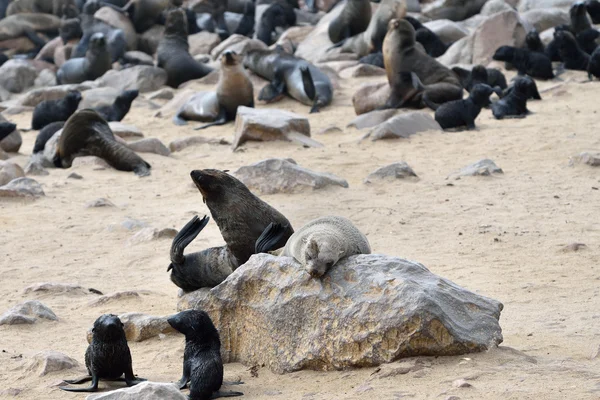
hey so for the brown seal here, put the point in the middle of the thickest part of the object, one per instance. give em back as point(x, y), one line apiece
point(404, 62)
point(86, 133)
point(353, 19)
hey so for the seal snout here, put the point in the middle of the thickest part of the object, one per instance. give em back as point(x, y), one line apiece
point(229, 57)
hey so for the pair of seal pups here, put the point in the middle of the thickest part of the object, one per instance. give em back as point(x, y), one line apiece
point(298, 78)
point(107, 357)
point(319, 244)
point(173, 52)
point(480, 74)
point(87, 134)
point(49, 111)
point(241, 217)
point(462, 113)
point(526, 62)
point(119, 109)
point(96, 62)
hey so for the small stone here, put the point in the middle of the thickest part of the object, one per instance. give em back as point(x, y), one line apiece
point(22, 187)
point(125, 131)
point(101, 202)
point(36, 169)
point(573, 247)
point(46, 362)
point(149, 145)
point(142, 391)
point(151, 234)
point(461, 383)
point(180, 144)
point(589, 158)
point(52, 288)
point(162, 94)
point(403, 126)
point(485, 167)
point(74, 175)
point(330, 129)
point(140, 327)
point(399, 368)
point(27, 313)
point(109, 298)
point(399, 170)
point(10, 171)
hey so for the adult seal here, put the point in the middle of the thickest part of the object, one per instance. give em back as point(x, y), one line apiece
point(86, 133)
point(173, 52)
point(107, 356)
point(202, 363)
point(288, 74)
point(96, 62)
point(353, 19)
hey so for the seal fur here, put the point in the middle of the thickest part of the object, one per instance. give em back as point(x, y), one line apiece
point(49, 111)
point(526, 62)
point(462, 113)
point(514, 104)
point(119, 109)
point(96, 62)
point(353, 19)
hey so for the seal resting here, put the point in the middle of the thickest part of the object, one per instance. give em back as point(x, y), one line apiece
point(107, 357)
point(526, 62)
point(514, 104)
point(353, 19)
point(119, 109)
point(594, 64)
point(533, 42)
point(202, 363)
point(86, 133)
point(45, 134)
point(593, 9)
point(173, 52)
point(462, 113)
point(570, 52)
point(49, 111)
point(6, 128)
point(319, 244)
point(298, 78)
point(96, 62)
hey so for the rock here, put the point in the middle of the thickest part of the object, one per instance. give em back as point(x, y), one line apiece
point(403, 126)
point(120, 21)
point(452, 398)
point(526, 5)
point(372, 118)
point(12, 143)
point(162, 94)
point(45, 78)
point(238, 43)
point(362, 70)
point(485, 167)
point(125, 131)
point(369, 96)
point(3, 155)
point(137, 58)
point(454, 10)
point(542, 19)
point(22, 187)
point(109, 298)
point(52, 288)
point(97, 162)
point(142, 391)
point(74, 175)
point(27, 313)
point(399, 368)
point(203, 42)
point(573, 247)
point(35, 169)
point(492, 7)
point(295, 35)
point(339, 66)
point(278, 175)
point(399, 170)
point(36, 96)
point(589, 158)
point(141, 77)
point(448, 31)
point(149, 145)
point(103, 96)
point(330, 129)
point(148, 41)
point(461, 383)
point(46, 362)
point(183, 143)
point(314, 47)
point(14, 110)
point(131, 224)
point(17, 75)
point(140, 327)
point(271, 124)
point(9, 171)
point(100, 202)
point(368, 310)
point(151, 234)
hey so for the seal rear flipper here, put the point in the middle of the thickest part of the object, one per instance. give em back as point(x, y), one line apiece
point(78, 380)
point(272, 92)
point(92, 388)
point(221, 120)
point(185, 237)
point(219, 394)
point(308, 83)
point(269, 238)
point(315, 107)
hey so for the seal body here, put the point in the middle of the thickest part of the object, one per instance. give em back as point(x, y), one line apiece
point(570, 52)
point(86, 133)
point(96, 62)
point(579, 18)
point(45, 134)
point(462, 113)
point(526, 62)
point(276, 15)
point(594, 64)
point(353, 19)
point(6, 128)
point(49, 111)
point(514, 104)
point(593, 9)
point(533, 42)
point(120, 108)
point(108, 356)
point(481, 75)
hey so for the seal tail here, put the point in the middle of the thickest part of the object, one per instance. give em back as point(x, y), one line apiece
point(185, 237)
point(219, 393)
point(269, 238)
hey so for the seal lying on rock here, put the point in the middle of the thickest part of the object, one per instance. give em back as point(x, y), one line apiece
point(526, 62)
point(49, 111)
point(108, 356)
point(202, 363)
point(513, 105)
point(119, 109)
point(319, 244)
point(87, 134)
point(461, 113)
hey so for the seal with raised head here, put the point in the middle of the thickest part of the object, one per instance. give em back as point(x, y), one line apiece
point(353, 19)
point(319, 244)
point(276, 15)
point(530, 87)
point(402, 57)
point(298, 78)
point(86, 133)
point(579, 18)
point(526, 62)
point(593, 9)
point(202, 363)
point(173, 52)
point(119, 109)
point(107, 357)
point(570, 53)
point(96, 62)
point(49, 111)
point(514, 104)
point(533, 42)
point(462, 113)
point(45, 134)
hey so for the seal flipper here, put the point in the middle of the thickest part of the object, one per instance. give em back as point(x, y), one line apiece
point(218, 394)
point(185, 237)
point(273, 91)
point(221, 120)
point(308, 83)
point(92, 388)
point(79, 380)
point(269, 238)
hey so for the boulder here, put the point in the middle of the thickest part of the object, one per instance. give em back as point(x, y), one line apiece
point(36, 96)
point(404, 126)
point(35, 169)
point(492, 7)
point(542, 19)
point(148, 41)
point(103, 96)
point(485, 167)
point(142, 391)
point(238, 43)
point(17, 75)
point(10, 171)
point(3, 155)
point(141, 77)
point(149, 145)
point(279, 175)
point(22, 187)
point(372, 118)
point(140, 327)
point(27, 313)
point(370, 96)
point(526, 5)
point(454, 10)
point(125, 131)
point(367, 310)
point(448, 31)
point(203, 42)
point(46, 78)
point(314, 47)
point(12, 143)
point(120, 21)
point(52, 288)
point(399, 170)
point(271, 124)
point(46, 362)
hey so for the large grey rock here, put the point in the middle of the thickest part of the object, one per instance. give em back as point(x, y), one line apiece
point(314, 47)
point(140, 327)
point(98, 97)
point(485, 167)
point(203, 42)
point(448, 31)
point(370, 96)
point(404, 126)
point(49, 361)
point(270, 124)
point(238, 43)
point(367, 310)
point(546, 18)
point(278, 175)
point(27, 313)
point(9, 171)
point(125, 131)
point(372, 118)
point(141, 77)
point(142, 391)
point(52, 288)
point(36, 96)
point(22, 187)
point(17, 75)
point(454, 10)
point(149, 145)
point(399, 170)
point(526, 5)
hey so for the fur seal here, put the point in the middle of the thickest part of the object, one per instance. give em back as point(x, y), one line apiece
point(593, 9)
point(461, 113)
point(533, 42)
point(202, 106)
point(401, 57)
point(526, 62)
point(594, 64)
point(298, 78)
point(49, 111)
point(570, 52)
point(6, 128)
point(375, 59)
point(319, 244)
point(87, 134)
point(277, 15)
point(96, 62)
point(202, 363)
point(119, 109)
point(45, 134)
point(233, 90)
point(514, 104)
point(173, 52)
point(246, 25)
point(353, 19)
point(143, 13)
point(107, 357)
point(531, 88)
point(579, 18)
point(430, 41)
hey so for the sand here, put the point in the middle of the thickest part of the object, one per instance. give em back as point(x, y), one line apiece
point(500, 236)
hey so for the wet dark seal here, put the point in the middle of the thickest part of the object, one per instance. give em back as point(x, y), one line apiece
point(579, 18)
point(202, 363)
point(570, 52)
point(513, 105)
point(107, 357)
point(277, 15)
point(462, 113)
point(119, 109)
point(49, 111)
point(526, 62)
point(96, 62)
point(173, 52)
point(530, 87)
point(86, 133)
point(353, 19)
point(45, 134)
point(593, 9)
point(533, 42)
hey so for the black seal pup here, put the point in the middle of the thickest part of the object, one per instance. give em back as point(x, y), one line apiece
point(6, 128)
point(353, 19)
point(49, 111)
point(202, 363)
point(462, 113)
point(173, 52)
point(531, 88)
point(570, 52)
point(594, 64)
point(86, 133)
point(45, 134)
point(533, 42)
point(526, 62)
point(119, 109)
point(375, 59)
point(431, 42)
point(276, 15)
point(514, 104)
point(593, 9)
point(96, 62)
point(579, 18)
point(107, 357)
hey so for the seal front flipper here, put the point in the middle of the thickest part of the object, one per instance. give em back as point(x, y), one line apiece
point(270, 237)
point(185, 237)
point(308, 83)
point(219, 394)
point(92, 388)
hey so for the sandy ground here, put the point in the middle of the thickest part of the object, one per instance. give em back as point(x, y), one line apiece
point(501, 237)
